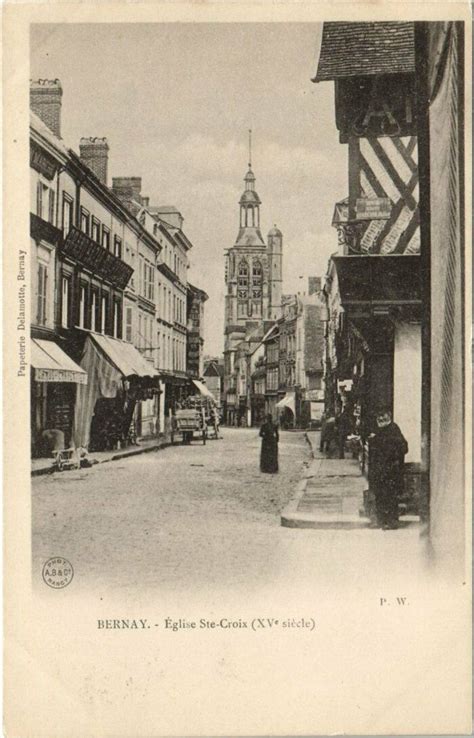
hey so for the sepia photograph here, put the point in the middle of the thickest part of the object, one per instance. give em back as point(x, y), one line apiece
point(230, 299)
point(240, 335)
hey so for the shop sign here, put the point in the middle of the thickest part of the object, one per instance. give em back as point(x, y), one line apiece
point(373, 208)
point(317, 409)
point(315, 395)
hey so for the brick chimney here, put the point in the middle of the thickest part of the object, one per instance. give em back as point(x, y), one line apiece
point(314, 285)
point(128, 190)
point(94, 153)
point(45, 101)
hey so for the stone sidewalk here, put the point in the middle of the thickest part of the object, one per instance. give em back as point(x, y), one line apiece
point(329, 495)
point(44, 466)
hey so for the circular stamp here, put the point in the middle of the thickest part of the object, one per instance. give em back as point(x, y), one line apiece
point(57, 572)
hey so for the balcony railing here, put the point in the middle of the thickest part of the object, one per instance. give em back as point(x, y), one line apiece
point(42, 230)
point(88, 253)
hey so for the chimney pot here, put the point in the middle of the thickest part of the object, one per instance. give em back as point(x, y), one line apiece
point(45, 102)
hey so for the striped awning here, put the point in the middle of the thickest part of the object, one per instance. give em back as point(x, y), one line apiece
point(108, 362)
point(51, 364)
point(124, 356)
point(288, 401)
point(203, 389)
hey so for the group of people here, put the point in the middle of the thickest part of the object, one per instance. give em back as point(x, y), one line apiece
point(387, 450)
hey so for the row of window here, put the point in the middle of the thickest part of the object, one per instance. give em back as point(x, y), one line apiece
point(272, 379)
point(167, 351)
point(248, 308)
point(244, 274)
point(172, 307)
point(272, 353)
point(98, 313)
point(91, 226)
point(288, 343)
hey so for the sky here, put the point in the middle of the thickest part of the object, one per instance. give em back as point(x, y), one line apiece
point(175, 102)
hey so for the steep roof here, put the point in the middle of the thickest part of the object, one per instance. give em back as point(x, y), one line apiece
point(361, 49)
point(211, 370)
point(250, 236)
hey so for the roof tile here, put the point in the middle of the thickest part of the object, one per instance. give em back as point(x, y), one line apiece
point(361, 49)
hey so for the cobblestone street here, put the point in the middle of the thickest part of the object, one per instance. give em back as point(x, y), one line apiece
point(189, 514)
point(204, 519)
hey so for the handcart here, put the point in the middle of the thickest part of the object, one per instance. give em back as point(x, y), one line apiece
point(190, 422)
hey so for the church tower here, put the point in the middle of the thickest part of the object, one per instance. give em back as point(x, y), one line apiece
point(253, 275)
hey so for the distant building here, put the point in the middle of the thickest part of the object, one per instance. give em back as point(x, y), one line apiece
point(272, 362)
point(195, 331)
point(310, 353)
point(214, 378)
point(253, 277)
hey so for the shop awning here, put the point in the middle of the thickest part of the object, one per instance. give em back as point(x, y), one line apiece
point(124, 356)
point(378, 280)
point(51, 364)
point(288, 401)
point(203, 389)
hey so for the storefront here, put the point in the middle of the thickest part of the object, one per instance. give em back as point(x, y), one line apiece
point(54, 380)
point(118, 378)
point(379, 362)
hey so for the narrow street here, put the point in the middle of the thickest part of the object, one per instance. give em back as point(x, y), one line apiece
point(187, 514)
point(203, 518)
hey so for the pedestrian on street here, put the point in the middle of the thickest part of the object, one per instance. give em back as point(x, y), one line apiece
point(344, 428)
point(269, 450)
point(387, 449)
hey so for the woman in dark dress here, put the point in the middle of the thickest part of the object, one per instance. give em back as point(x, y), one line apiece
point(269, 452)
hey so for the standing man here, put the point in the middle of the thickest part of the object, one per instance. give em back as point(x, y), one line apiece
point(387, 449)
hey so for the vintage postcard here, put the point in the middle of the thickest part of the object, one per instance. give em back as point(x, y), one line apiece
point(237, 287)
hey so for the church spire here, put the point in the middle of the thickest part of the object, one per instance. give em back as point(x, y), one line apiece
point(250, 206)
point(250, 176)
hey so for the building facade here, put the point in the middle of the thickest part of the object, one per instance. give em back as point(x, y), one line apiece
point(375, 319)
point(213, 375)
point(109, 275)
point(395, 331)
point(310, 353)
point(54, 377)
point(195, 331)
